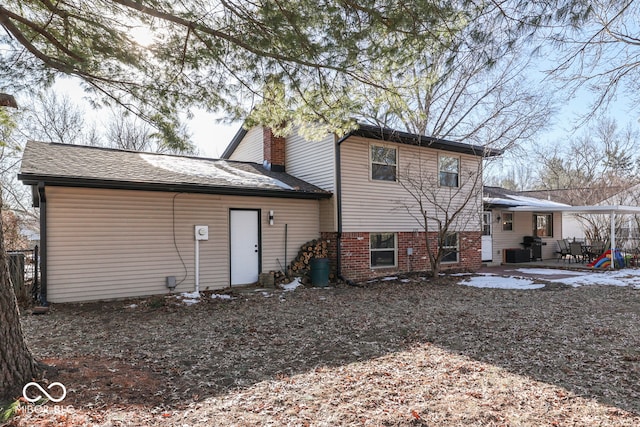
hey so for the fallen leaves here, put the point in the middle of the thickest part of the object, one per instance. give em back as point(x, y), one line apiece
point(385, 354)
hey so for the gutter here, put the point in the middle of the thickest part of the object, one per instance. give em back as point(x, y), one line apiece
point(43, 244)
point(33, 179)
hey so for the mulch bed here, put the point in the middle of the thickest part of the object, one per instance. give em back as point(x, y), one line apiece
point(405, 352)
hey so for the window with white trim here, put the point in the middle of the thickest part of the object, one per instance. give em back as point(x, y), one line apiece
point(449, 168)
point(450, 248)
point(384, 162)
point(382, 248)
point(507, 221)
point(543, 225)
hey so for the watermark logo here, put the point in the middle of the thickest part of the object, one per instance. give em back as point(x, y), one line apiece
point(44, 392)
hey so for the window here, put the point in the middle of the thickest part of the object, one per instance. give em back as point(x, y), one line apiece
point(383, 163)
point(507, 221)
point(450, 248)
point(383, 249)
point(543, 225)
point(449, 171)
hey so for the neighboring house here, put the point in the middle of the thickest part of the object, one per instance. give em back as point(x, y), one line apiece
point(118, 224)
point(372, 222)
point(511, 219)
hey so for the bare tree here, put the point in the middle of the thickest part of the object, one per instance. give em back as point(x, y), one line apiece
point(598, 50)
point(129, 133)
point(54, 118)
point(443, 203)
point(602, 157)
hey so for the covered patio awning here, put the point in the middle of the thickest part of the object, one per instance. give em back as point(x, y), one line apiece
point(611, 210)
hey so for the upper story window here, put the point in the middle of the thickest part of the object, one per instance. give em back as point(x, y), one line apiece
point(449, 168)
point(384, 162)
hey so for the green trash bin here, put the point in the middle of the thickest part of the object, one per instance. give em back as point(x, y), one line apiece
point(319, 272)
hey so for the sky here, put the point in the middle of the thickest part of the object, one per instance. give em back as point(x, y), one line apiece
point(210, 137)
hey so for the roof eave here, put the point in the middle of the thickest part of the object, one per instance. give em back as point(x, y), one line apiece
point(235, 141)
point(391, 135)
point(57, 181)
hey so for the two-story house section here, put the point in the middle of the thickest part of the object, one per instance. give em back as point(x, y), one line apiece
point(382, 182)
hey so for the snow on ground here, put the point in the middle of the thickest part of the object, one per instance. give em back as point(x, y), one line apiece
point(293, 285)
point(524, 278)
point(624, 277)
point(493, 281)
point(221, 296)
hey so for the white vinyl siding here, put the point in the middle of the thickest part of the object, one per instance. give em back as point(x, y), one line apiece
point(312, 161)
point(380, 206)
point(523, 226)
point(250, 148)
point(105, 244)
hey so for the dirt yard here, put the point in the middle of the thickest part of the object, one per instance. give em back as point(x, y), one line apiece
point(392, 353)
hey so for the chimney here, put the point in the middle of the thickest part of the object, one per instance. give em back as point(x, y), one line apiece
point(273, 150)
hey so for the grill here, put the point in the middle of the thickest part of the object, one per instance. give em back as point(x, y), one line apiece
point(534, 244)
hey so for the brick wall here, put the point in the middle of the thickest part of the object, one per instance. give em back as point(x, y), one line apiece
point(355, 262)
point(273, 149)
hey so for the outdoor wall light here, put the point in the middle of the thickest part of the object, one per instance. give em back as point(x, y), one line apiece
point(270, 217)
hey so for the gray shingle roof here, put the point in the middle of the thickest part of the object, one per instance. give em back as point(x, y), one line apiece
point(76, 165)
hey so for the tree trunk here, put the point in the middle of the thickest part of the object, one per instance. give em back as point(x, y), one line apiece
point(17, 365)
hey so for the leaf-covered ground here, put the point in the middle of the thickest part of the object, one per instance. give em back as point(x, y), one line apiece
point(391, 353)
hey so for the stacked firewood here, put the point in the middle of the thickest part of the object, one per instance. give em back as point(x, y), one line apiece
point(314, 249)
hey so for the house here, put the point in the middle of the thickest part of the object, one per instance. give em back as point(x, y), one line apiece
point(118, 224)
point(513, 223)
point(574, 224)
point(374, 223)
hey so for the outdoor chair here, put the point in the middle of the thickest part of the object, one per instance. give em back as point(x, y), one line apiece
point(575, 250)
point(563, 250)
point(593, 251)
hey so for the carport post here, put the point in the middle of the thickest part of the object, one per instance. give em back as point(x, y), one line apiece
point(612, 219)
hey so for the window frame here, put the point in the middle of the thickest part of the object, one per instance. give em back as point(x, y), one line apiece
point(393, 250)
point(504, 220)
point(456, 247)
point(444, 183)
point(549, 225)
point(372, 163)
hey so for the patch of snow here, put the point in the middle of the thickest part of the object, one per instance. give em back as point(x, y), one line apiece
point(293, 285)
point(405, 280)
point(133, 306)
point(209, 169)
point(549, 271)
point(221, 296)
point(190, 301)
point(190, 295)
point(624, 277)
point(497, 282)
point(384, 279)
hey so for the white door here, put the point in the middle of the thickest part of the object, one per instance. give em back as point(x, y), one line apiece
point(245, 246)
point(487, 241)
